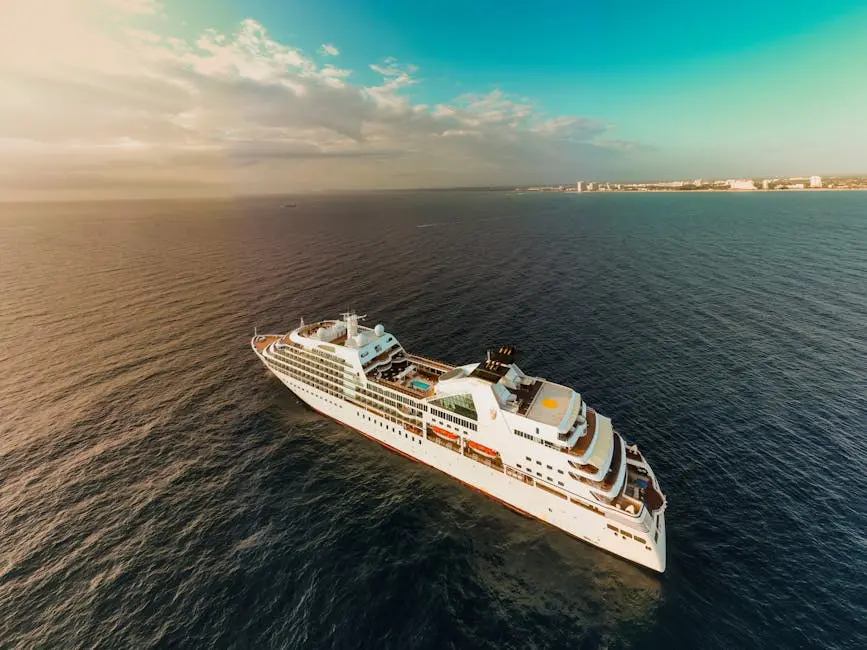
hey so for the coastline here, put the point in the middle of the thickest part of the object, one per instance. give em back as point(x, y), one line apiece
point(720, 191)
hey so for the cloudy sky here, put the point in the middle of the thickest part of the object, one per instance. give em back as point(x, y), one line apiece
point(115, 98)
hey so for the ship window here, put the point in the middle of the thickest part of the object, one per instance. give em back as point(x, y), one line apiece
point(518, 465)
point(539, 462)
point(640, 539)
point(462, 405)
point(549, 467)
point(614, 528)
point(560, 483)
point(625, 534)
point(528, 458)
point(559, 471)
point(539, 474)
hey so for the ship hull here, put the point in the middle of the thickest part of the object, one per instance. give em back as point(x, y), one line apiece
point(610, 532)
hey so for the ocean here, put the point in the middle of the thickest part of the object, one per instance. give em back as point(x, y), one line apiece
point(158, 489)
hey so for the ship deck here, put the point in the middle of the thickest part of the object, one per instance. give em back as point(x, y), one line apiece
point(263, 341)
point(550, 403)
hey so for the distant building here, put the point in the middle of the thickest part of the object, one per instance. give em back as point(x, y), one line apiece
point(697, 182)
point(796, 186)
point(815, 181)
point(579, 186)
point(765, 184)
point(591, 186)
point(741, 184)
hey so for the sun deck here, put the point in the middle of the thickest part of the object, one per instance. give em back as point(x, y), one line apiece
point(410, 374)
point(408, 387)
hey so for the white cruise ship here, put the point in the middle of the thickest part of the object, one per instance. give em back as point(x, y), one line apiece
point(532, 444)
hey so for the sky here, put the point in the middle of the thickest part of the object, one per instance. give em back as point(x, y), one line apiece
point(141, 98)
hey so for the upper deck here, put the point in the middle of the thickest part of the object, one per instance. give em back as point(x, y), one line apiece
point(550, 404)
point(332, 337)
point(410, 374)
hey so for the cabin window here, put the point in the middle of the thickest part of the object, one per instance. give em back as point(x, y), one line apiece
point(641, 540)
point(614, 528)
point(559, 471)
point(528, 458)
point(549, 467)
point(518, 465)
point(625, 534)
point(539, 462)
point(560, 483)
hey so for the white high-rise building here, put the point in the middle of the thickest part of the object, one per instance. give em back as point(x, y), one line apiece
point(579, 186)
point(741, 184)
point(815, 181)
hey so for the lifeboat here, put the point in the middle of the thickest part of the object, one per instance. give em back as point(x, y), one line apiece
point(445, 435)
point(481, 449)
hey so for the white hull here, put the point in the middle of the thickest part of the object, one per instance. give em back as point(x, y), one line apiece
point(602, 528)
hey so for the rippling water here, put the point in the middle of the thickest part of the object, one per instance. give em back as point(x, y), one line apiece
point(158, 488)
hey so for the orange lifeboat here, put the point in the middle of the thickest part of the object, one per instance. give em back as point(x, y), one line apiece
point(446, 435)
point(484, 451)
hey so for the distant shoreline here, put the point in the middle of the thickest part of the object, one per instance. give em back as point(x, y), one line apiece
point(720, 191)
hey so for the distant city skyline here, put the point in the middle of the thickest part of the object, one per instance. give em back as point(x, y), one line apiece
point(137, 98)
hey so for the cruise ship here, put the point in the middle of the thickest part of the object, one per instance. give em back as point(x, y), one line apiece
point(530, 443)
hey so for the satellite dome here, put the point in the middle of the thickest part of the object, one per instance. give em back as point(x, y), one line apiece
point(379, 330)
point(320, 333)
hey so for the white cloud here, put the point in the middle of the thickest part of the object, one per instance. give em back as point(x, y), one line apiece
point(328, 50)
point(136, 106)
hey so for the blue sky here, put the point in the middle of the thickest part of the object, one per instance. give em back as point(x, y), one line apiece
point(480, 92)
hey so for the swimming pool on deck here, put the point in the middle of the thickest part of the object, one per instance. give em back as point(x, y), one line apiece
point(418, 383)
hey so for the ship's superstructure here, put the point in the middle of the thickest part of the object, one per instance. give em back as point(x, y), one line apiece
point(530, 443)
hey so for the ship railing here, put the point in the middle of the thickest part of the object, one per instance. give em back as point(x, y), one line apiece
point(495, 463)
point(519, 475)
point(453, 446)
point(412, 392)
point(582, 444)
point(430, 362)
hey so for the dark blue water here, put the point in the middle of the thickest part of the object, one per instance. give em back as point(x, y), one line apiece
point(159, 489)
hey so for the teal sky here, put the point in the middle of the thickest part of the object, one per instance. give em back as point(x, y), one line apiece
point(739, 86)
point(181, 96)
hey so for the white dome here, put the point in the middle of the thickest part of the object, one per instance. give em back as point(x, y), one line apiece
point(320, 333)
point(379, 330)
